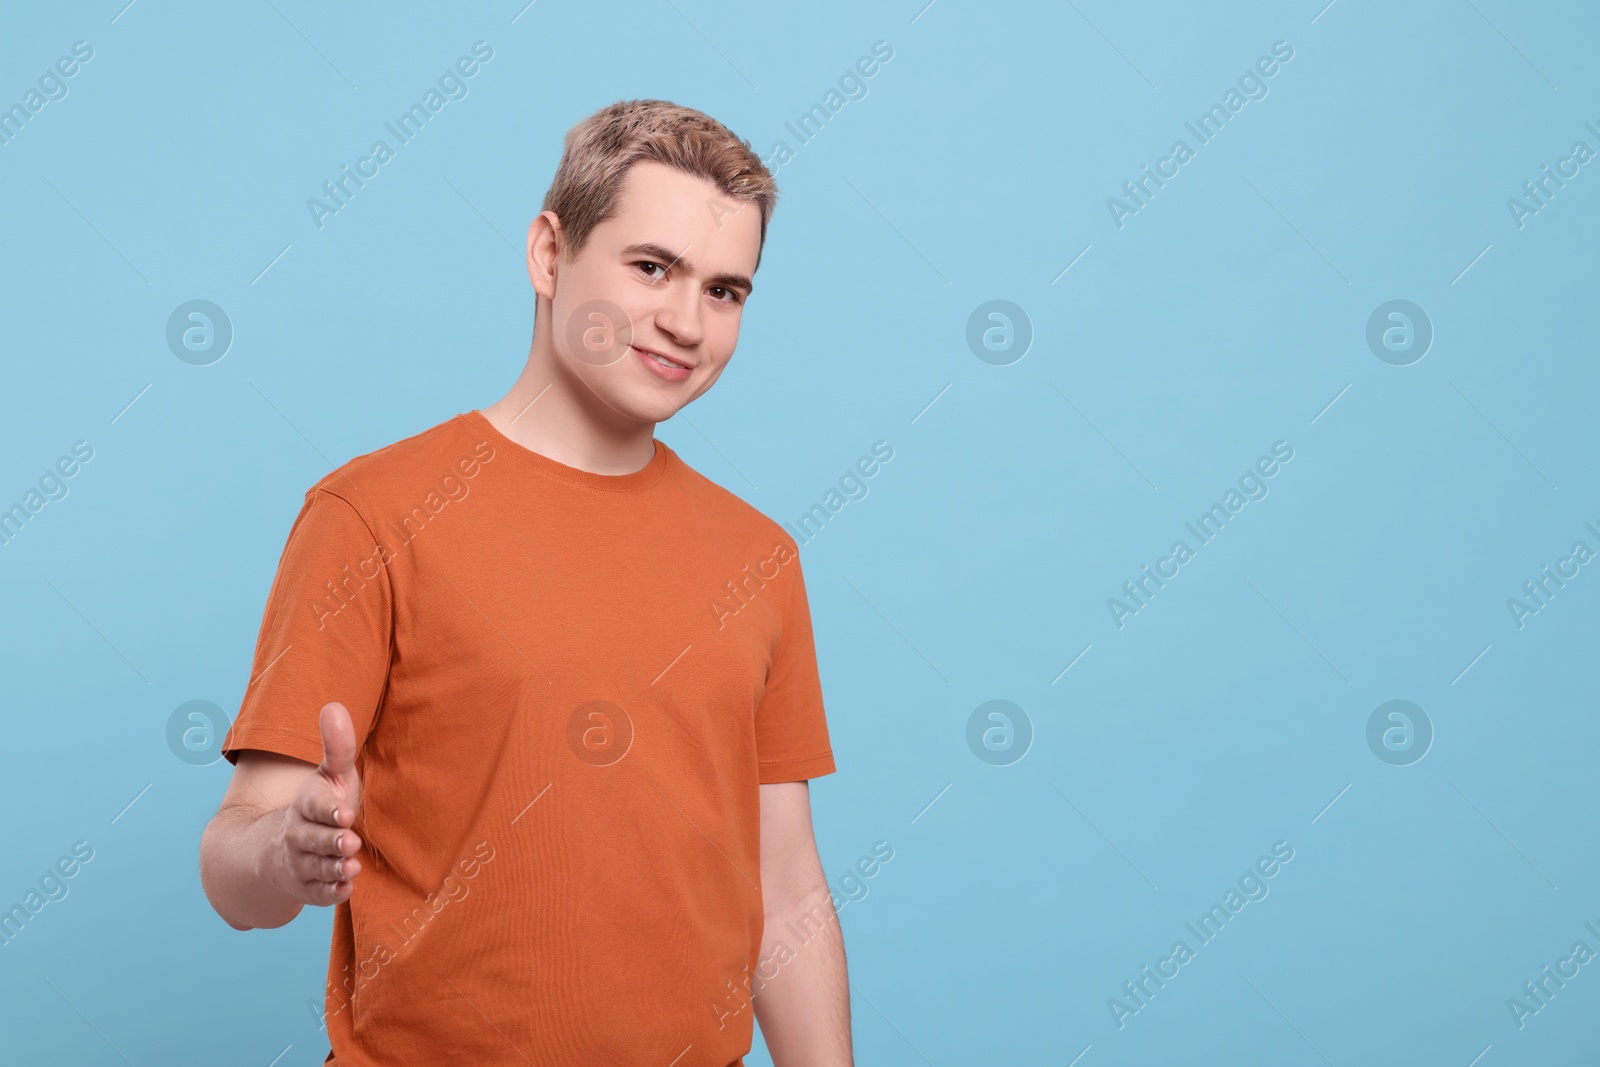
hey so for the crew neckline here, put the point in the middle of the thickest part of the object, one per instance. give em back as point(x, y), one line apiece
point(645, 476)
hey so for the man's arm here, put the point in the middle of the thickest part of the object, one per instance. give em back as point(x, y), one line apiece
point(281, 838)
point(237, 842)
point(804, 1009)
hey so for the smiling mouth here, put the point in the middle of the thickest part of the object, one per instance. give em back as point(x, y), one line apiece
point(661, 360)
point(665, 362)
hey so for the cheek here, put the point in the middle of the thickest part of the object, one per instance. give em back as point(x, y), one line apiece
point(723, 337)
point(591, 329)
point(713, 370)
point(578, 287)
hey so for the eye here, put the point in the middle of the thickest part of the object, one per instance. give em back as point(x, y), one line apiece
point(733, 295)
point(651, 263)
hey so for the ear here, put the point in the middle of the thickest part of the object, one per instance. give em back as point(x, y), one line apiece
point(545, 239)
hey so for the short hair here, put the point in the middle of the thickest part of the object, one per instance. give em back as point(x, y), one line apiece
point(599, 150)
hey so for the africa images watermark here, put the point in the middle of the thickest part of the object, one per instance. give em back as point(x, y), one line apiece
point(851, 487)
point(452, 86)
point(852, 86)
point(415, 923)
point(52, 486)
point(1539, 992)
point(52, 87)
point(408, 528)
point(739, 593)
point(1252, 85)
point(52, 887)
point(811, 922)
point(1543, 189)
point(1252, 887)
point(1252, 486)
point(1541, 590)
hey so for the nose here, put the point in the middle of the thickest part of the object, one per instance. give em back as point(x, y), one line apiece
point(679, 316)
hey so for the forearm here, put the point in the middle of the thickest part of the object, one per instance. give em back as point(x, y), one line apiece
point(804, 1009)
point(234, 851)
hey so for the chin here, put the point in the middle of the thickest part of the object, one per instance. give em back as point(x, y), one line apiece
point(644, 406)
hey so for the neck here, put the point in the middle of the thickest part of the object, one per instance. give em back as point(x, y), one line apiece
point(551, 412)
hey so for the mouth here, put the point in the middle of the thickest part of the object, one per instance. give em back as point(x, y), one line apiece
point(664, 366)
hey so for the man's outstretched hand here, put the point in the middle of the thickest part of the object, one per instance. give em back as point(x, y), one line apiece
point(313, 851)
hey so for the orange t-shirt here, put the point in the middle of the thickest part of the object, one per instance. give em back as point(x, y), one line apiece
point(565, 687)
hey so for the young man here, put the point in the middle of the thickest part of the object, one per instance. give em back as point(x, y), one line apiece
point(534, 703)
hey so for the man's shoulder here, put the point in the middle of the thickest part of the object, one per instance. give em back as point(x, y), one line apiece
point(729, 511)
point(412, 464)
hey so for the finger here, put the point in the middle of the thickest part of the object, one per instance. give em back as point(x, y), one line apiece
point(338, 743)
point(332, 868)
point(322, 840)
point(325, 893)
point(312, 869)
point(322, 802)
point(341, 869)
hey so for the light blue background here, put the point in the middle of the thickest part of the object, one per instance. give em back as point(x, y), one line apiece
point(1225, 315)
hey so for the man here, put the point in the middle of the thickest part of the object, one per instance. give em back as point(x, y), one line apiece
point(533, 703)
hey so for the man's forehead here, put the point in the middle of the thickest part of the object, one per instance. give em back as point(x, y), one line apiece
point(664, 206)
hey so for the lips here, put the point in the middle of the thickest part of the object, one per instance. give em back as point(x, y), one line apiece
point(674, 373)
point(672, 359)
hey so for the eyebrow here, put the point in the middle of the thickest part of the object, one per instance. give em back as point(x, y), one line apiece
point(671, 259)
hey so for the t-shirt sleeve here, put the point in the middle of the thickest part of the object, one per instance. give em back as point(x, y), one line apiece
point(791, 727)
point(325, 635)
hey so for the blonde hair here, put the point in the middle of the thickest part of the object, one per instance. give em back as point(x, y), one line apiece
point(599, 150)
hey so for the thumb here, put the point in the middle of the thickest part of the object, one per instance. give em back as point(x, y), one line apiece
point(338, 744)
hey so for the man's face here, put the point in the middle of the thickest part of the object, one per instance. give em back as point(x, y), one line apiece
point(669, 273)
